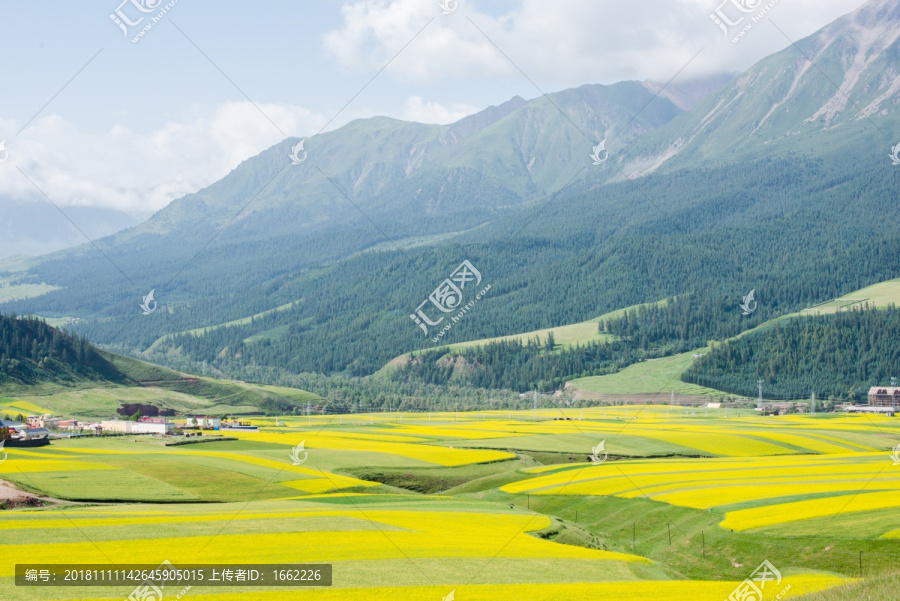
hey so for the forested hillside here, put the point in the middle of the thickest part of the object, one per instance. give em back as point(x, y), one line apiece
point(513, 365)
point(592, 252)
point(834, 356)
point(32, 352)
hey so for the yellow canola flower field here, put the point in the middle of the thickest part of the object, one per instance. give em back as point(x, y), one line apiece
point(702, 484)
point(714, 441)
point(23, 406)
point(783, 513)
point(402, 534)
point(423, 452)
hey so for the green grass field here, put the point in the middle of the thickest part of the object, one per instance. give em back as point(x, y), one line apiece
point(878, 295)
point(365, 500)
point(145, 383)
point(648, 377)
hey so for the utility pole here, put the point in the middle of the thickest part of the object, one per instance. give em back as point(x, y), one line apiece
point(812, 405)
point(760, 383)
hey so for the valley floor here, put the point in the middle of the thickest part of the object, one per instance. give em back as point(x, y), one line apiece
point(634, 502)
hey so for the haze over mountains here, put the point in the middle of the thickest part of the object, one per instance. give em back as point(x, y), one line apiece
point(317, 267)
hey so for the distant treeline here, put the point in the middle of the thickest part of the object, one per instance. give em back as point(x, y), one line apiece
point(834, 356)
point(375, 394)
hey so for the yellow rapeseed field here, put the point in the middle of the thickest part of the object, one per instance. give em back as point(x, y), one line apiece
point(717, 482)
point(783, 513)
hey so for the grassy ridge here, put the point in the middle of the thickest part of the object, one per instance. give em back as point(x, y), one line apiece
point(144, 383)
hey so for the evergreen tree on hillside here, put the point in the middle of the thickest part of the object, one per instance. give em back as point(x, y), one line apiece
point(32, 351)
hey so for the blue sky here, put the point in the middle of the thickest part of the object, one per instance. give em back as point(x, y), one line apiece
point(148, 122)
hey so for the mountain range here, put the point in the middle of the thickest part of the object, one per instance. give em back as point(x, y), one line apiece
point(776, 180)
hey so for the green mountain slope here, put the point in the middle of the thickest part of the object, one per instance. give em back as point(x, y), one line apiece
point(791, 217)
point(53, 370)
point(821, 97)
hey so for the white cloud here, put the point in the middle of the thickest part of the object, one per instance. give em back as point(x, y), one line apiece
point(141, 173)
point(564, 43)
point(416, 109)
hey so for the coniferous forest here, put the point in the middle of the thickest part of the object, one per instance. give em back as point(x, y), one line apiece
point(32, 351)
point(834, 356)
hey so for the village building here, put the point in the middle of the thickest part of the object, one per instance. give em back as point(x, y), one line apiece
point(43, 421)
point(34, 433)
point(884, 396)
point(138, 427)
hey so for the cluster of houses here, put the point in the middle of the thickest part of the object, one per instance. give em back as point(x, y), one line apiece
point(19, 431)
point(38, 427)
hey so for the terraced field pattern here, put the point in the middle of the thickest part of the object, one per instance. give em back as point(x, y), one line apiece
point(677, 503)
